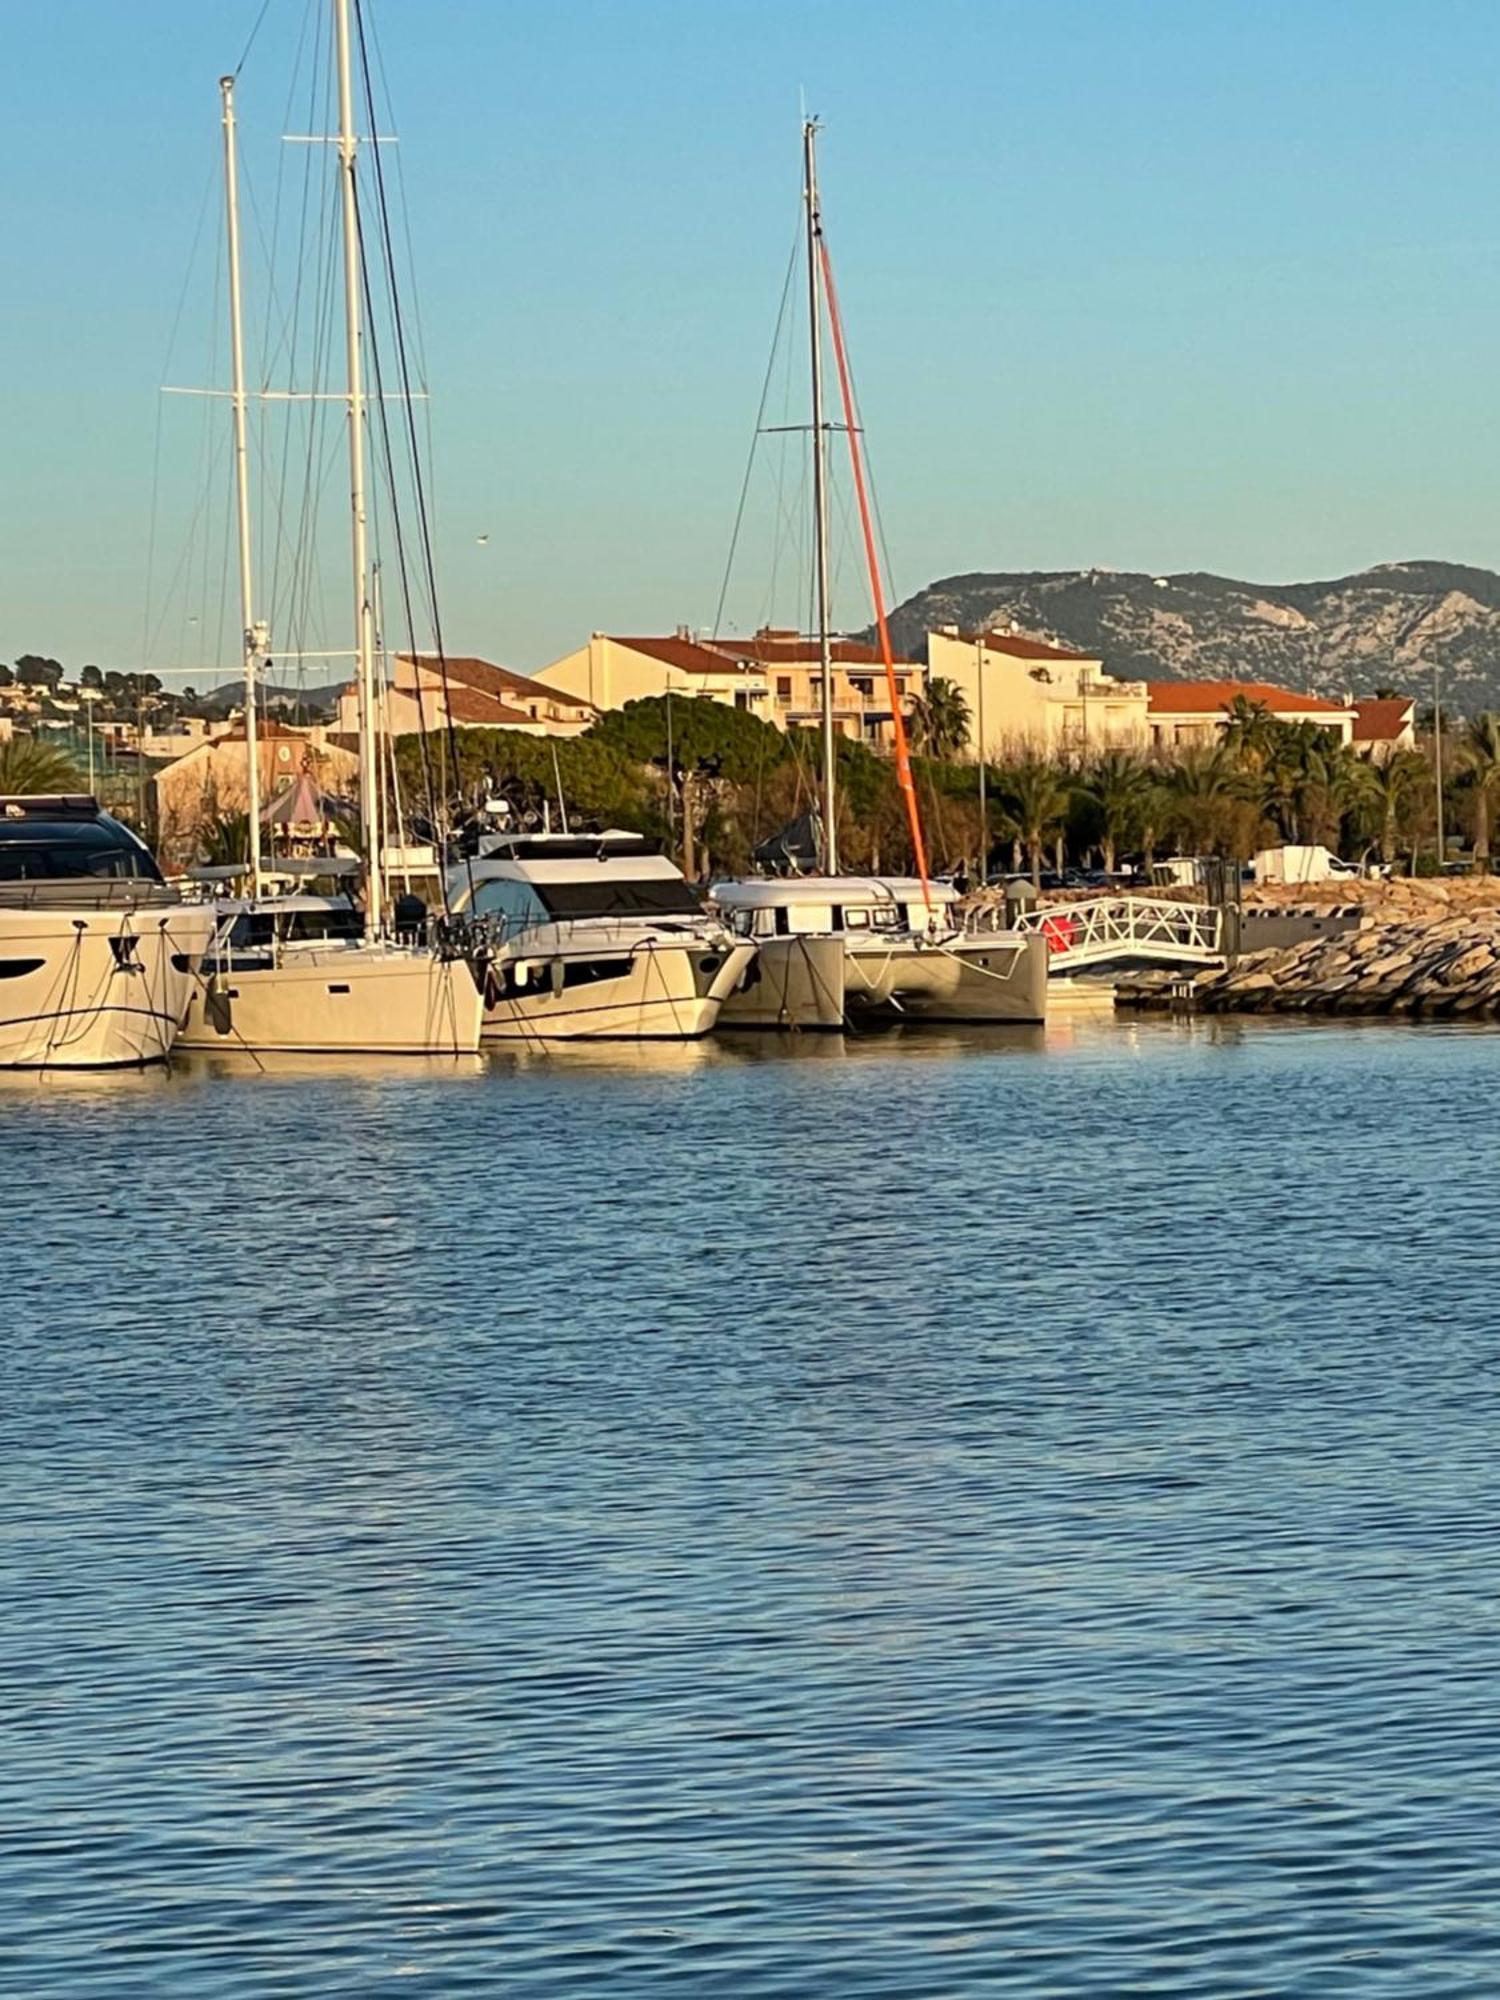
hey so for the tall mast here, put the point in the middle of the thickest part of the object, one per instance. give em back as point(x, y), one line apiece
point(253, 636)
point(369, 766)
point(820, 488)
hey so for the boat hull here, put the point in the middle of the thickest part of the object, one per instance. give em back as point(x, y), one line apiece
point(96, 989)
point(655, 993)
point(829, 982)
point(983, 980)
point(355, 1000)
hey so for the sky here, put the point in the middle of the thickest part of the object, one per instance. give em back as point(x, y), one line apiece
point(1140, 284)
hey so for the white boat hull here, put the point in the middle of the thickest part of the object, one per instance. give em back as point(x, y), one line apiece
point(834, 981)
point(346, 1000)
point(96, 988)
point(661, 993)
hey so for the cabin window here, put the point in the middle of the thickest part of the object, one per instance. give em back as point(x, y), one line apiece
point(836, 918)
point(783, 921)
point(17, 968)
point(647, 896)
point(857, 920)
point(586, 971)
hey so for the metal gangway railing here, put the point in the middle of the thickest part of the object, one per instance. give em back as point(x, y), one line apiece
point(1115, 930)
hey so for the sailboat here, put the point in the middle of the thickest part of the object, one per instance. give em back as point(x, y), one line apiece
point(308, 979)
point(836, 950)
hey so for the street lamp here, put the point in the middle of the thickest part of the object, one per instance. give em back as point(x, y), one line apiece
point(984, 801)
point(1437, 764)
point(90, 696)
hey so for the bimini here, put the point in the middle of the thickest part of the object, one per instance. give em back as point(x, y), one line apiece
point(98, 956)
point(594, 937)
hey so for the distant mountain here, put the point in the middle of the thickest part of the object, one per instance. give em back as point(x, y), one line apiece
point(1384, 627)
point(307, 704)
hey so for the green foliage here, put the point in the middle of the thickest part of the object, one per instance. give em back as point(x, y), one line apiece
point(29, 766)
point(940, 719)
point(225, 840)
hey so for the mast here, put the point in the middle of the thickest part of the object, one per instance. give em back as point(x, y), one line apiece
point(369, 767)
point(253, 637)
point(820, 488)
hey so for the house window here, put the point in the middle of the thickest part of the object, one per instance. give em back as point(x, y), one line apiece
point(783, 687)
point(862, 685)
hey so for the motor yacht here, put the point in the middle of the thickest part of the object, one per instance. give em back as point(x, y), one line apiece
point(594, 937)
point(97, 953)
point(849, 950)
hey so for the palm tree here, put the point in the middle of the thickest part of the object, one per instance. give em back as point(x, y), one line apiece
point(1035, 794)
point(224, 839)
point(1386, 790)
point(1118, 783)
point(940, 719)
point(1202, 787)
point(1251, 732)
point(29, 766)
point(1480, 758)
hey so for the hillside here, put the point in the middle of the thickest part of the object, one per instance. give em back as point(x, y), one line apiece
point(1384, 627)
point(315, 704)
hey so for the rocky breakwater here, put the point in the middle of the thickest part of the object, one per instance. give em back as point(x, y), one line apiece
point(1410, 955)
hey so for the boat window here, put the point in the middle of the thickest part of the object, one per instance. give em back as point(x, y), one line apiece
point(783, 921)
point(836, 918)
point(252, 930)
point(586, 971)
point(516, 905)
point(649, 896)
point(857, 920)
point(765, 924)
point(52, 861)
point(334, 923)
point(885, 917)
point(17, 968)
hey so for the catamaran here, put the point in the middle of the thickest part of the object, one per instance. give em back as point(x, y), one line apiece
point(835, 949)
point(316, 987)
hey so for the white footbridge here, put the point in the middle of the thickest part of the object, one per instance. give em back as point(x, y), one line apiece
point(1115, 930)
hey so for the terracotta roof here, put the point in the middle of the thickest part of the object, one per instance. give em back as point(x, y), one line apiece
point(689, 656)
point(794, 649)
point(1377, 721)
point(1020, 646)
point(1212, 697)
point(472, 706)
point(499, 683)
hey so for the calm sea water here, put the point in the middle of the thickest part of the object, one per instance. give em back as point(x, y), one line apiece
point(932, 1517)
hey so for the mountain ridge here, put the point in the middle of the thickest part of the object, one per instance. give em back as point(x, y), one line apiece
point(1387, 626)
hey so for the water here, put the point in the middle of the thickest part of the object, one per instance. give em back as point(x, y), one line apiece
point(934, 1517)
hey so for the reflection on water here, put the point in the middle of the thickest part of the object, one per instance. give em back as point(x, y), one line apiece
point(940, 1513)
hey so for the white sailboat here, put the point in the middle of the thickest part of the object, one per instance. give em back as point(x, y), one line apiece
point(836, 950)
point(315, 988)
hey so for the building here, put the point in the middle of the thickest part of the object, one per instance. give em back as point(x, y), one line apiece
point(793, 665)
point(1382, 726)
point(211, 779)
point(1185, 713)
point(777, 675)
point(1036, 696)
point(609, 672)
point(472, 694)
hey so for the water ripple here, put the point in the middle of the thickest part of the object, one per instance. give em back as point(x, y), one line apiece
point(916, 1518)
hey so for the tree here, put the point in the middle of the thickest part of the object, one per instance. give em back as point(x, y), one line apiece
point(1250, 734)
point(7, 678)
point(32, 670)
point(940, 719)
point(1479, 758)
point(29, 766)
point(1117, 784)
point(1035, 794)
point(91, 678)
point(1386, 792)
point(1203, 791)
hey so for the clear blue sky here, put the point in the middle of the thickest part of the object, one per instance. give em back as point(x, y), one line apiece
point(1157, 284)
